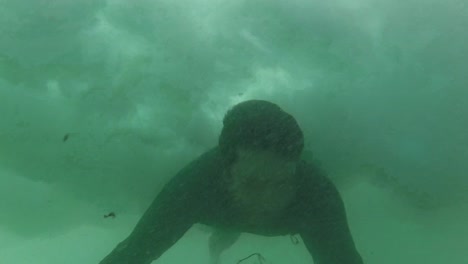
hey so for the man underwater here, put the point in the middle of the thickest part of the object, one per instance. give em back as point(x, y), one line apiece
point(253, 181)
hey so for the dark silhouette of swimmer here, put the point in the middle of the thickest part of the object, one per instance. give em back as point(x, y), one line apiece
point(254, 181)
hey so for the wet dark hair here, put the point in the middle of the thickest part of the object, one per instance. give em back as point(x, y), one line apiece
point(260, 125)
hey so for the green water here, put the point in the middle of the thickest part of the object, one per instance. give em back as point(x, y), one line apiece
point(101, 102)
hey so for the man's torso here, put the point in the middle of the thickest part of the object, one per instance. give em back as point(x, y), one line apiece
point(217, 208)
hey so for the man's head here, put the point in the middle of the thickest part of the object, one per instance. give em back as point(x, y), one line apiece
point(261, 145)
point(260, 125)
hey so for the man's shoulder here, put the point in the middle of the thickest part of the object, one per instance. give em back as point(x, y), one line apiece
point(316, 186)
point(207, 165)
point(194, 179)
point(312, 172)
point(210, 159)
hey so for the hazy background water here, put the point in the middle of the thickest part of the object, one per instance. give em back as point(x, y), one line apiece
point(102, 101)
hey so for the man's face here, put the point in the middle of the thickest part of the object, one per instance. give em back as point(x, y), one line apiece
point(263, 181)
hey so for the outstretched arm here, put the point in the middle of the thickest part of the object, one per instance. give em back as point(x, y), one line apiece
point(171, 214)
point(325, 231)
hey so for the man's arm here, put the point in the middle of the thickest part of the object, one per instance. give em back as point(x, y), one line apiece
point(171, 214)
point(325, 231)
